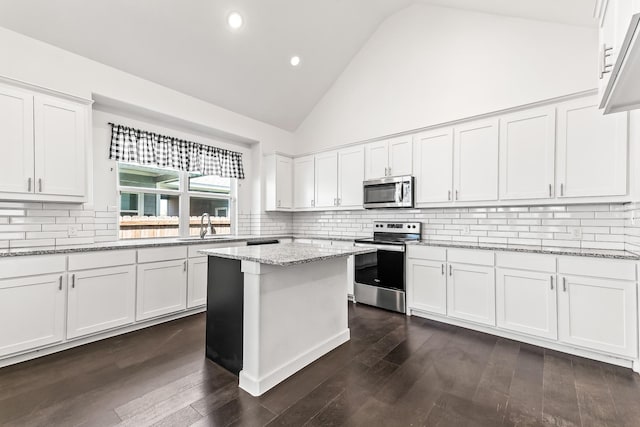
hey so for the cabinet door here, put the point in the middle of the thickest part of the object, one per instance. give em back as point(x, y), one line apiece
point(526, 302)
point(400, 156)
point(476, 161)
point(326, 179)
point(31, 312)
point(16, 136)
point(101, 299)
point(527, 153)
point(471, 293)
point(284, 187)
point(427, 286)
point(598, 314)
point(433, 166)
point(197, 282)
point(350, 177)
point(303, 182)
point(162, 288)
point(60, 134)
point(376, 159)
point(592, 150)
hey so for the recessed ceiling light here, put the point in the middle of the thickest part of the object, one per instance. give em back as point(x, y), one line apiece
point(235, 20)
point(294, 61)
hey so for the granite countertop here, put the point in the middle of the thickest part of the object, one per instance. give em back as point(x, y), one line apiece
point(285, 254)
point(151, 243)
point(551, 250)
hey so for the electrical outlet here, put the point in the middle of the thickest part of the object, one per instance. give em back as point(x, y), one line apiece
point(73, 231)
point(576, 233)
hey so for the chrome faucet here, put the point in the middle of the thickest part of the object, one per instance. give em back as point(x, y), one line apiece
point(204, 230)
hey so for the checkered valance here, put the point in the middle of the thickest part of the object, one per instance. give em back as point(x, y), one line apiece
point(148, 148)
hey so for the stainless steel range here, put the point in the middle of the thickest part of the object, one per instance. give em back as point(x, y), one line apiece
point(380, 275)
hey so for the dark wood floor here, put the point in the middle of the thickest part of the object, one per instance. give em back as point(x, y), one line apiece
point(395, 371)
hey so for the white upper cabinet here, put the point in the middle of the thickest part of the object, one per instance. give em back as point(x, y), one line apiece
point(391, 157)
point(326, 180)
point(619, 55)
point(400, 153)
point(303, 182)
point(476, 161)
point(16, 136)
point(376, 156)
point(350, 176)
point(527, 152)
point(60, 147)
point(44, 146)
point(592, 151)
point(433, 166)
point(278, 183)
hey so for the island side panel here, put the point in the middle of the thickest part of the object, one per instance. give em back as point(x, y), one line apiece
point(293, 316)
point(225, 302)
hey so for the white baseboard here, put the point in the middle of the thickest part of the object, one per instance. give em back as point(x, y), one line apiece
point(258, 386)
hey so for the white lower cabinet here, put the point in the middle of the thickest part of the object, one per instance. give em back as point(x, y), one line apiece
point(162, 288)
point(101, 299)
point(32, 312)
point(197, 282)
point(471, 293)
point(427, 285)
point(600, 314)
point(526, 302)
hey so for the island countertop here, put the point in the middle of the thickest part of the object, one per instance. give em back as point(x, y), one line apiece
point(284, 254)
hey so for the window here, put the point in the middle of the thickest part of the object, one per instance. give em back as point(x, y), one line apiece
point(154, 202)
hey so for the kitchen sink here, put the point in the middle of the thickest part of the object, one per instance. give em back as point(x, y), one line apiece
point(199, 239)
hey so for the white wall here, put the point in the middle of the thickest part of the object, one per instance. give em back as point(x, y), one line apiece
point(428, 65)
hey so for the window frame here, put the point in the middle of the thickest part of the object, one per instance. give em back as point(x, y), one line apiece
point(184, 197)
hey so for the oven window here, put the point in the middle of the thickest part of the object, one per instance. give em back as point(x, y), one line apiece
point(381, 193)
point(382, 268)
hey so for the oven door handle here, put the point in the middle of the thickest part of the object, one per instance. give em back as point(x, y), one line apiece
point(390, 248)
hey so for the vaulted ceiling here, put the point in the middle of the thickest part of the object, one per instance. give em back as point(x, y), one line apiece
point(186, 45)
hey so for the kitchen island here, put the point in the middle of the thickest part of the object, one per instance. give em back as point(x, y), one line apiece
point(274, 309)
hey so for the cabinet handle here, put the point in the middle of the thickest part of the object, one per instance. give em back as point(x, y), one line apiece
point(29, 185)
point(339, 201)
point(442, 269)
point(40, 185)
point(551, 282)
point(60, 283)
point(449, 195)
point(313, 202)
point(450, 272)
point(456, 194)
point(389, 171)
point(604, 54)
point(73, 280)
point(562, 189)
point(184, 268)
point(550, 189)
point(385, 172)
point(564, 284)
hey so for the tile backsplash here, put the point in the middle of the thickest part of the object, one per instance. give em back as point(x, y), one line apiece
point(36, 224)
point(596, 226)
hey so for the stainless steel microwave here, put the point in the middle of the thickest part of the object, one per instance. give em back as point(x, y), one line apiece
point(389, 192)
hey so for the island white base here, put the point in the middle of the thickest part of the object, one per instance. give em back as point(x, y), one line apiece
point(292, 316)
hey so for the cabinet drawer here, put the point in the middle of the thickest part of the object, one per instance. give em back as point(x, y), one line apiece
point(162, 254)
point(193, 250)
point(522, 261)
point(21, 266)
point(426, 252)
point(595, 267)
point(101, 260)
point(471, 256)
